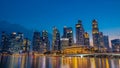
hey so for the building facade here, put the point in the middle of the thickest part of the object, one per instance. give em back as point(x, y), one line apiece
point(36, 41)
point(68, 33)
point(101, 39)
point(5, 42)
point(64, 42)
point(115, 45)
point(79, 33)
point(86, 39)
point(56, 39)
point(45, 42)
point(95, 33)
point(106, 42)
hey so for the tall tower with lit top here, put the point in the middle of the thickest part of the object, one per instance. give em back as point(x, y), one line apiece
point(95, 33)
point(79, 33)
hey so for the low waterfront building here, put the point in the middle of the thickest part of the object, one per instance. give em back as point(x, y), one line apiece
point(75, 49)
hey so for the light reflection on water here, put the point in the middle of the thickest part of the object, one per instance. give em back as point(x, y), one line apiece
point(57, 62)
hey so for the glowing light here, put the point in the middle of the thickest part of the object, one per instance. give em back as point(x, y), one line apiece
point(81, 56)
point(64, 39)
point(14, 33)
point(78, 26)
point(70, 31)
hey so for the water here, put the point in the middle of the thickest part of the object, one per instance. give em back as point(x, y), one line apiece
point(57, 62)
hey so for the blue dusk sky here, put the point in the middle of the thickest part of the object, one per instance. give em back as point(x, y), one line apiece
point(44, 14)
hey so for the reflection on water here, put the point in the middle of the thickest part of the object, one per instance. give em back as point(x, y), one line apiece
point(57, 62)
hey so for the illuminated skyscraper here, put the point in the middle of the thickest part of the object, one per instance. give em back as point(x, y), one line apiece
point(5, 42)
point(115, 45)
point(95, 33)
point(101, 39)
point(64, 42)
point(56, 39)
point(20, 36)
point(45, 41)
point(65, 32)
point(16, 42)
point(79, 33)
point(106, 42)
point(26, 43)
point(68, 33)
point(36, 41)
point(86, 39)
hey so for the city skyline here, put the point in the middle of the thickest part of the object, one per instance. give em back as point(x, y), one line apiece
point(59, 33)
point(41, 43)
point(74, 32)
point(44, 14)
point(39, 15)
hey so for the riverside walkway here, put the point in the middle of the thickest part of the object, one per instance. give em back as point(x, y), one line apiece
point(95, 54)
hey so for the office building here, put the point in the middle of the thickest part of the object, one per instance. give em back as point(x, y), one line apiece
point(56, 39)
point(45, 42)
point(68, 33)
point(95, 33)
point(115, 45)
point(86, 39)
point(79, 33)
point(36, 41)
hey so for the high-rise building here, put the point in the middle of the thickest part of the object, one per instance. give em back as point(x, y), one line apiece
point(65, 32)
point(20, 36)
point(26, 43)
point(13, 43)
point(106, 42)
point(16, 42)
point(64, 42)
point(95, 33)
point(115, 45)
point(5, 42)
point(79, 33)
point(45, 42)
point(68, 33)
point(86, 39)
point(56, 39)
point(36, 41)
point(101, 39)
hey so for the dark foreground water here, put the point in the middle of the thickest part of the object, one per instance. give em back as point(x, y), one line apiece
point(57, 62)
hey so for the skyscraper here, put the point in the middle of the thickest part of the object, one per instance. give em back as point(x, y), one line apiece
point(16, 42)
point(68, 33)
point(101, 39)
point(86, 39)
point(36, 41)
point(115, 45)
point(56, 39)
point(5, 42)
point(79, 33)
point(95, 33)
point(45, 42)
point(12, 43)
point(20, 36)
point(106, 42)
point(26, 43)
